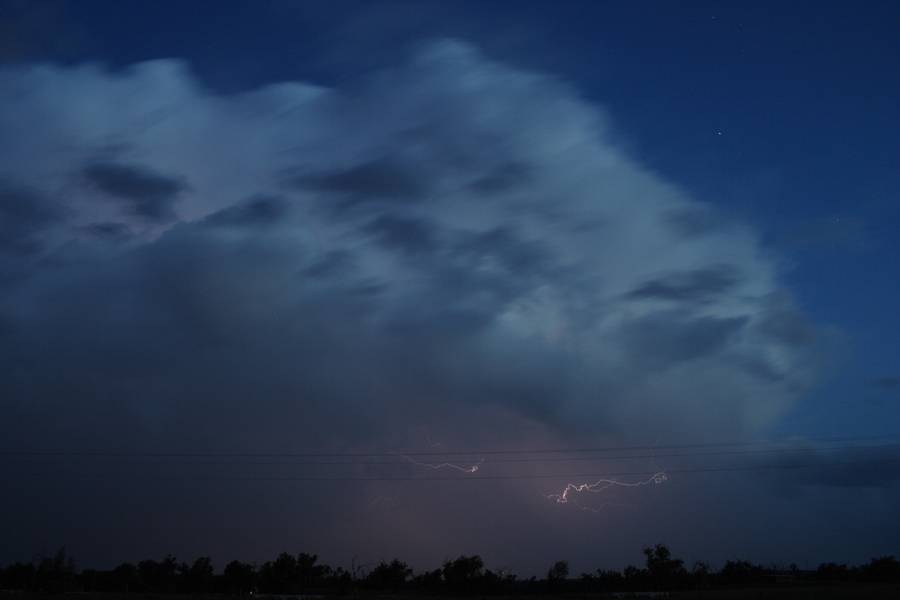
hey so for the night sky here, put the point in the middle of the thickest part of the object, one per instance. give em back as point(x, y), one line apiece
point(334, 277)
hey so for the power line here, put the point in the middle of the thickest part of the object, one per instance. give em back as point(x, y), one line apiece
point(475, 453)
point(351, 461)
point(585, 476)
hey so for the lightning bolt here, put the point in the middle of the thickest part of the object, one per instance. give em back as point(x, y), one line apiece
point(599, 486)
point(446, 465)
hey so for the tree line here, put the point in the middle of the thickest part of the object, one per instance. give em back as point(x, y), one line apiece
point(304, 574)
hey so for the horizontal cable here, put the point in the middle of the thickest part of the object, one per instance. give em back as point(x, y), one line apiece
point(700, 453)
point(726, 469)
point(378, 454)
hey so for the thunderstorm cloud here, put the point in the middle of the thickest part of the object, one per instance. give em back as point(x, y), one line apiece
point(450, 249)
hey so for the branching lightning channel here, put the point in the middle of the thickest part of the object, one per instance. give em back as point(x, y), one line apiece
point(473, 468)
point(565, 496)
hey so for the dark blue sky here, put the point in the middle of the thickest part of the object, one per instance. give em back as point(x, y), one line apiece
point(782, 116)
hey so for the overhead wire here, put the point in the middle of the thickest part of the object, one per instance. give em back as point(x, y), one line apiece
point(397, 453)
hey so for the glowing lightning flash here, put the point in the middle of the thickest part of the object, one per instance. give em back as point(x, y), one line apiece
point(563, 497)
point(438, 466)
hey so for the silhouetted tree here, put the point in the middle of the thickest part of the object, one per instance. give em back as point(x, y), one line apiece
point(559, 571)
point(886, 568)
point(341, 580)
point(740, 572)
point(390, 576)
point(429, 580)
point(832, 572)
point(289, 574)
point(280, 575)
point(18, 576)
point(310, 573)
point(125, 578)
point(302, 573)
point(608, 580)
point(700, 575)
point(663, 569)
point(588, 583)
point(198, 578)
point(635, 577)
point(239, 578)
point(55, 574)
point(463, 573)
point(496, 582)
point(159, 576)
point(557, 574)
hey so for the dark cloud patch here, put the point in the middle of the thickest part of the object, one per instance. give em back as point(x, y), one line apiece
point(670, 337)
point(379, 180)
point(503, 178)
point(335, 264)
point(406, 234)
point(502, 247)
point(475, 274)
point(463, 279)
point(434, 321)
point(24, 214)
point(108, 230)
point(146, 193)
point(763, 369)
point(368, 289)
point(698, 285)
point(259, 211)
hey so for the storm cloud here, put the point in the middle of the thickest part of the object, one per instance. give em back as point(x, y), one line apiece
point(456, 247)
point(145, 193)
point(482, 294)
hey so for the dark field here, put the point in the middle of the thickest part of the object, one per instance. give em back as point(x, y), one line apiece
point(864, 592)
